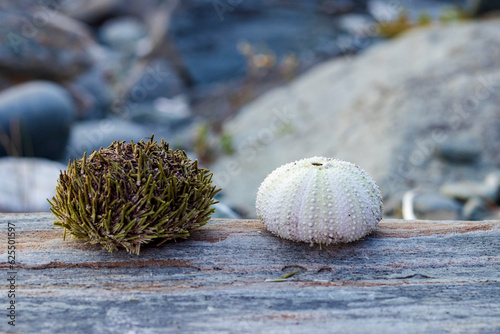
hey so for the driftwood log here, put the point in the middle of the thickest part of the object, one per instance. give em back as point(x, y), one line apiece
point(406, 277)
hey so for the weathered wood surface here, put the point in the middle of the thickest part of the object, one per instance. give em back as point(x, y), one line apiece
point(406, 277)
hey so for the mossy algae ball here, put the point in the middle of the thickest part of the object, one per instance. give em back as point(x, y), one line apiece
point(129, 195)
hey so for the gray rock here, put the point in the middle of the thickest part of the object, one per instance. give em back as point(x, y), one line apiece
point(433, 206)
point(475, 208)
point(492, 181)
point(157, 80)
point(224, 211)
point(356, 24)
point(466, 190)
point(35, 120)
point(93, 91)
point(164, 111)
point(385, 110)
point(26, 183)
point(39, 42)
point(464, 150)
point(123, 33)
point(91, 135)
point(176, 109)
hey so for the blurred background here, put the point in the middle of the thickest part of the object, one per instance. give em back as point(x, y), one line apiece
point(408, 90)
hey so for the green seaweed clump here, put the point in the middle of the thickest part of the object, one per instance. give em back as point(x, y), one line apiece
point(128, 195)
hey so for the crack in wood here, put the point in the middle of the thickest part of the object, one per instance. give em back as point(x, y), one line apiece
point(150, 263)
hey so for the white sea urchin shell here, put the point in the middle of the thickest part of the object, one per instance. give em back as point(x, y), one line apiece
point(319, 200)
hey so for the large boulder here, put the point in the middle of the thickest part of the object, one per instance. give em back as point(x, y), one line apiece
point(35, 120)
point(393, 110)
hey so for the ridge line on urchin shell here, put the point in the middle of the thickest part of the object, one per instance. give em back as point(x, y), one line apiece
point(319, 200)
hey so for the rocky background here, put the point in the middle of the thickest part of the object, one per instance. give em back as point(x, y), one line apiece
point(409, 91)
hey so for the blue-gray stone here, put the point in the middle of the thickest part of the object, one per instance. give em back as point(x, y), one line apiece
point(95, 89)
point(41, 43)
point(122, 33)
point(464, 150)
point(35, 120)
point(431, 206)
point(88, 136)
point(479, 7)
point(475, 208)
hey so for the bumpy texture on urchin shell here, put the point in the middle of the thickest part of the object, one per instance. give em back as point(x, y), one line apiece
point(128, 195)
point(319, 200)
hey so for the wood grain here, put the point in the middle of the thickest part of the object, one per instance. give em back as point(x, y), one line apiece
point(406, 277)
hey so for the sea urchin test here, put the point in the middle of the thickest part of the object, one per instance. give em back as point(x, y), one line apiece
point(128, 195)
point(319, 200)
